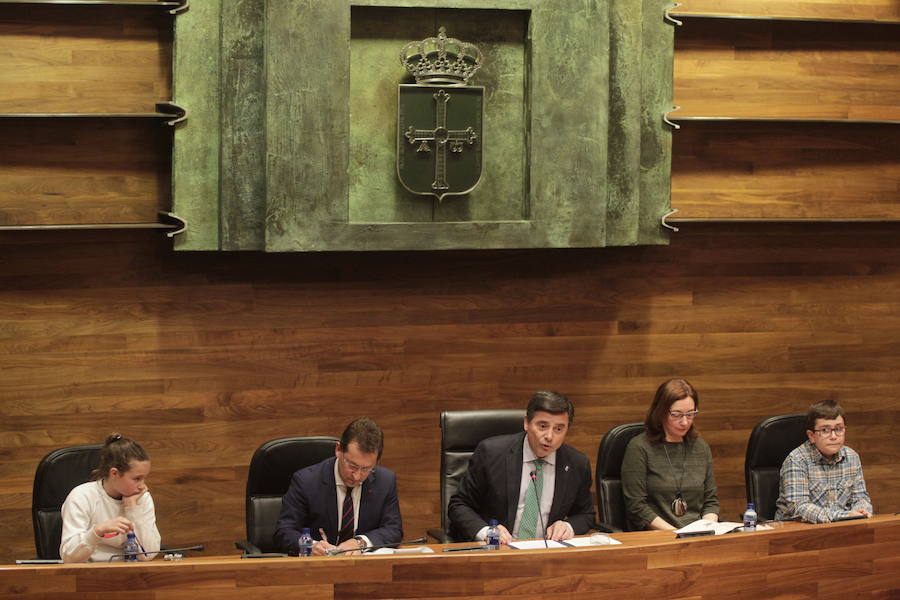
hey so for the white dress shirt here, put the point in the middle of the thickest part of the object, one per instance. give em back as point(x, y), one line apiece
point(356, 494)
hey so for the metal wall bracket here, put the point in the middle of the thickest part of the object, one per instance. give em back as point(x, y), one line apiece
point(674, 125)
point(669, 17)
point(170, 108)
point(180, 223)
point(185, 4)
point(664, 220)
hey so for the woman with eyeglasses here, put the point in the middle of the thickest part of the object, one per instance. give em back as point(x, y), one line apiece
point(667, 474)
point(822, 479)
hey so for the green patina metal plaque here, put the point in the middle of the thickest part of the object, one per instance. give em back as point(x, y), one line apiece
point(296, 133)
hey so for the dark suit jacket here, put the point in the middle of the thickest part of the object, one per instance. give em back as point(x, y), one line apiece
point(490, 488)
point(311, 501)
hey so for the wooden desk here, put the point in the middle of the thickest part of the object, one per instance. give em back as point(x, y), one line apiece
point(855, 559)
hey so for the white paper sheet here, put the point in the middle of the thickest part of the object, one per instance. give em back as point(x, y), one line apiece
point(534, 544)
point(597, 539)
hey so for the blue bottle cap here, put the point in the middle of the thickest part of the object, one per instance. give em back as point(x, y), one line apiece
point(493, 522)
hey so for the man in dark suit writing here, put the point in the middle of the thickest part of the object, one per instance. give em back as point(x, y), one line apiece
point(348, 501)
point(527, 481)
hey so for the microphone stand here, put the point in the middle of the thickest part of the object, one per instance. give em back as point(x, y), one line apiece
point(336, 552)
point(166, 551)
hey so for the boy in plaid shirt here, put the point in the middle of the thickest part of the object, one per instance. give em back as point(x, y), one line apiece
point(822, 479)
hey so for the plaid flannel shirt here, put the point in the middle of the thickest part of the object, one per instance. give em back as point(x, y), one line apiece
point(818, 489)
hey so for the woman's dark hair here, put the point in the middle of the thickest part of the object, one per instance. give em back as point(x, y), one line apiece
point(667, 394)
point(118, 452)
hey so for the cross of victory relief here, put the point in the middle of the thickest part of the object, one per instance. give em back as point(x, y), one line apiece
point(441, 136)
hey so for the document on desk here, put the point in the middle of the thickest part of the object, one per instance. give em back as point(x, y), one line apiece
point(535, 544)
point(597, 539)
point(717, 527)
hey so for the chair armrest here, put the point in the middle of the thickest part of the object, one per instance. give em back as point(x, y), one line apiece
point(440, 536)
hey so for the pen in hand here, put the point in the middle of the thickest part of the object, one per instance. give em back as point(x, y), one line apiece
point(322, 533)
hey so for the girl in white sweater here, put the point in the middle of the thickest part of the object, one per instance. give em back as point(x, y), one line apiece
point(98, 515)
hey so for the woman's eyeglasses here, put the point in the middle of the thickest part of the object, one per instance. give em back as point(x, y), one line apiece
point(678, 415)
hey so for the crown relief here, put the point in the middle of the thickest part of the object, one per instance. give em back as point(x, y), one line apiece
point(441, 60)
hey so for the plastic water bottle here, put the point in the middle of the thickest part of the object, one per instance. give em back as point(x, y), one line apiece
point(750, 518)
point(306, 542)
point(493, 536)
point(131, 548)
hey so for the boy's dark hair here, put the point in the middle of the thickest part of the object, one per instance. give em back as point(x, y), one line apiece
point(826, 409)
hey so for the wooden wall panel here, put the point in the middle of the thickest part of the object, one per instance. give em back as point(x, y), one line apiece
point(84, 59)
point(786, 170)
point(863, 10)
point(782, 69)
point(65, 59)
point(202, 357)
point(750, 69)
point(84, 170)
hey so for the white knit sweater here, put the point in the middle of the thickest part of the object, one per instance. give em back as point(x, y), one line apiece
point(89, 504)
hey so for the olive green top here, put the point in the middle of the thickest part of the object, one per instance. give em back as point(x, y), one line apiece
point(650, 481)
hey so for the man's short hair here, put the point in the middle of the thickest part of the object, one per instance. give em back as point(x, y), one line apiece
point(826, 409)
point(551, 402)
point(367, 435)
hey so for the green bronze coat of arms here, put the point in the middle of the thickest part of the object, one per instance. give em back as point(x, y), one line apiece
point(440, 140)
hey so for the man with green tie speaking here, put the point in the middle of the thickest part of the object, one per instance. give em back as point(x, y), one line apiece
point(531, 482)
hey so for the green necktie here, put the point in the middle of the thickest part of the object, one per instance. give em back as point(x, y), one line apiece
point(532, 509)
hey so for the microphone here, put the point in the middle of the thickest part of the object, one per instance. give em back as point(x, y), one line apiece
point(788, 519)
point(533, 477)
point(164, 551)
point(335, 552)
point(466, 548)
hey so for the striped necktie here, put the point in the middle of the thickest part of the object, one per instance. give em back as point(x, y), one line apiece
point(347, 518)
point(532, 509)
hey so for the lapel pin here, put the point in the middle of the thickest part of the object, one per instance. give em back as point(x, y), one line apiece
point(566, 469)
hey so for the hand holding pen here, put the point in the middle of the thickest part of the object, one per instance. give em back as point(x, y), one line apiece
point(322, 547)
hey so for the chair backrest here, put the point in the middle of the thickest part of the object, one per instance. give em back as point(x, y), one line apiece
point(461, 432)
point(608, 475)
point(770, 442)
point(271, 468)
point(54, 478)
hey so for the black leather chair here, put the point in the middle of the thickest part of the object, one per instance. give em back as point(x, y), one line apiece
point(56, 475)
point(770, 442)
point(271, 468)
point(608, 475)
point(461, 431)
